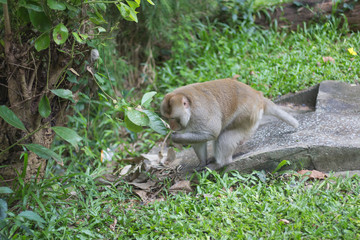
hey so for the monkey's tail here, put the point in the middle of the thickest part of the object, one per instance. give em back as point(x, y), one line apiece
point(274, 110)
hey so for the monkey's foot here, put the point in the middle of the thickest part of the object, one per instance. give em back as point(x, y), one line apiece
point(211, 166)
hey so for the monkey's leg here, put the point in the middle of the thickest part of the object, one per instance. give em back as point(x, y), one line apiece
point(192, 137)
point(225, 146)
point(201, 152)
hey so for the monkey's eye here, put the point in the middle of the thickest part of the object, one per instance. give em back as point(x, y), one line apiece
point(174, 119)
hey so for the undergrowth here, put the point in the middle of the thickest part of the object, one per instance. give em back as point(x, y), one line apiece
point(222, 206)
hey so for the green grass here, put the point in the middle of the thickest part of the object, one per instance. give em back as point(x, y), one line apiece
point(274, 62)
point(227, 206)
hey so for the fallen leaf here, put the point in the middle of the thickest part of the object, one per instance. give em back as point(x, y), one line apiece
point(134, 160)
point(169, 157)
point(112, 226)
point(144, 186)
point(313, 174)
point(326, 59)
point(181, 186)
point(125, 170)
point(284, 221)
point(142, 194)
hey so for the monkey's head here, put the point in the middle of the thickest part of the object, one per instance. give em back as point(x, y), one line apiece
point(176, 108)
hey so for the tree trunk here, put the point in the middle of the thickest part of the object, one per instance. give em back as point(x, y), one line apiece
point(27, 75)
point(294, 14)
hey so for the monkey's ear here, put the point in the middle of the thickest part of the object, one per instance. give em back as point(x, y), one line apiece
point(165, 106)
point(185, 102)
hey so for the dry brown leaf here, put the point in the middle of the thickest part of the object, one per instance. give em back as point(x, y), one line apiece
point(74, 72)
point(133, 160)
point(142, 194)
point(181, 186)
point(144, 186)
point(170, 157)
point(158, 199)
point(125, 170)
point(327, 59)
point(285, 221)
point(112, 226)
point(313, 174)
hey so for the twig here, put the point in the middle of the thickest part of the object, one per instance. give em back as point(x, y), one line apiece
point(25, 137)
point(7, 29)
point(19, 65)
point(34, 74)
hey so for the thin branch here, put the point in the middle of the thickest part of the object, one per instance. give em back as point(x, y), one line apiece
point(7, 29)
point(18, 65)
point(22, 139)
point(15, 91)
point(23, 85)
point(48, 71)
point(34, 74)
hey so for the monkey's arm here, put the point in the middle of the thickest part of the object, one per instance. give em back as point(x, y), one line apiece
point(192, 137)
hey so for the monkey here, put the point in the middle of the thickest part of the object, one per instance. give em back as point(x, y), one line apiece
point(225, 111)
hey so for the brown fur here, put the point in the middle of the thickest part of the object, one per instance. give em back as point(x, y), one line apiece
point(225, 111)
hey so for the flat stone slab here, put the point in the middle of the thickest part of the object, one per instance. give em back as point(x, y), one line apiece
point(328, 137)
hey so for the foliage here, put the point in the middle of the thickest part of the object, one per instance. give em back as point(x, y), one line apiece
point(147, 43)
point(41, 19)
point(226, 206)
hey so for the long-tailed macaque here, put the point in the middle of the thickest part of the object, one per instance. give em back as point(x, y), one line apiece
point(225, 111)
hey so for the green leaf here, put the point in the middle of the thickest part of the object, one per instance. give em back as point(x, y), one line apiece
point(137, 117)
point(63, 93)
point(132, 14)
point(71, 77)
point(99, 78)
point(155, 122)
point(5, 190)
point(33, 7)
point(77, 37)
point(10, 117)
point(32, 216)
point(42, 42)
point(149, 1)
point(39, 20)
point(3, 209)
point(55, 5)
point(68, 135)
point(127, 12)
point(3, 1)
point(44, 107)
point(60, 34)
point(147, 98)
point(42, 151)
point(280, 165)
point(101, 29)
point(131, 126)
point(134, 5)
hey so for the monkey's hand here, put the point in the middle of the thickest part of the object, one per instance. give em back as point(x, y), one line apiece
point(191, 137)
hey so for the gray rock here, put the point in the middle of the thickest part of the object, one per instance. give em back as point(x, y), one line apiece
point(328, 138)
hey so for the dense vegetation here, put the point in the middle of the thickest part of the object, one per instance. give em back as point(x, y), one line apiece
point(70, 203)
